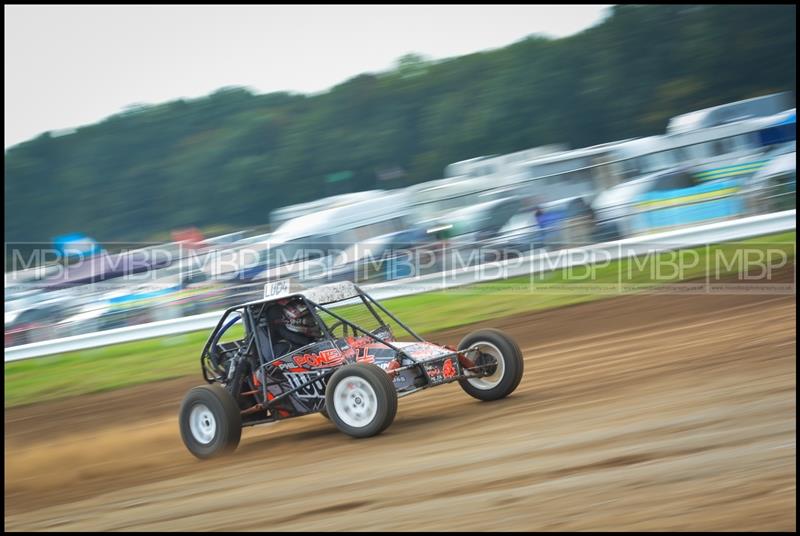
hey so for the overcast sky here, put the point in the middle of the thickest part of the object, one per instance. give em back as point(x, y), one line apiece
point(67, 66)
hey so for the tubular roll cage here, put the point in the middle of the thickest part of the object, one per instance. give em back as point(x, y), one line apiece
point(251, 324)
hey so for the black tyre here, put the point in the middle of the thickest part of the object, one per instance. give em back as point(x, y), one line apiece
point(504, 360)
point(324, 413)
point(361, 400)
point(210, 421)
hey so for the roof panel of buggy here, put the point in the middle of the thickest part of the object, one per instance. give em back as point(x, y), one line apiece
point(322, 295)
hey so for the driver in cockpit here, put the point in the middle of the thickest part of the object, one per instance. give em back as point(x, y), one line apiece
point(292, 326)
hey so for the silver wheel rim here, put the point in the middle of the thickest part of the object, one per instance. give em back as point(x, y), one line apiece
point(202, 424)
point(355, 401)
point(489, 382)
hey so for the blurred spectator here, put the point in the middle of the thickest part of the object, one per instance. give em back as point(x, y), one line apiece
point(580, 222)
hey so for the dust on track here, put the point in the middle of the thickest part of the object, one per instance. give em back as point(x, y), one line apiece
point(655, 412)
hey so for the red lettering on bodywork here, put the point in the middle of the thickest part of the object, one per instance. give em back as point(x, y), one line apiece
point(448, 369)
point(326, 358)
point(363, 356)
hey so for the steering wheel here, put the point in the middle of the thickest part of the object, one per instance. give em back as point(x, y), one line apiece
point(335, 325)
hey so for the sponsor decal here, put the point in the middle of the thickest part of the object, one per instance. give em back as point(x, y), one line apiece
point(325, 358)
point(448, 370)
point(363, 355)
point(399, 379)
point(315, 389)
point(434, 372)
point(359, 342)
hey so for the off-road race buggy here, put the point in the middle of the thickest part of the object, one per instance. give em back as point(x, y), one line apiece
point(340, 358)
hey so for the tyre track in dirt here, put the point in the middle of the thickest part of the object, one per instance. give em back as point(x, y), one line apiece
point(658, 412)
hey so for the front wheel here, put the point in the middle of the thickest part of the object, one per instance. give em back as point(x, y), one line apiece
point(361, 400)
point(210, 421)
point(500, 357)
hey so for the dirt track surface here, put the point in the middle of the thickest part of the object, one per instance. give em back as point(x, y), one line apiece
point(635, 413)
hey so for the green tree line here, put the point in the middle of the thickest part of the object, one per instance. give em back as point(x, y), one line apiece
point(228, 159)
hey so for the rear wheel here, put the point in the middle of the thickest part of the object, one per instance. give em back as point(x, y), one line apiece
point(500, 357)
point(361, 400)
point(210, 421)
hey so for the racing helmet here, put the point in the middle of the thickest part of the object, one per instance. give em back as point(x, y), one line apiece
point(298, 318)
